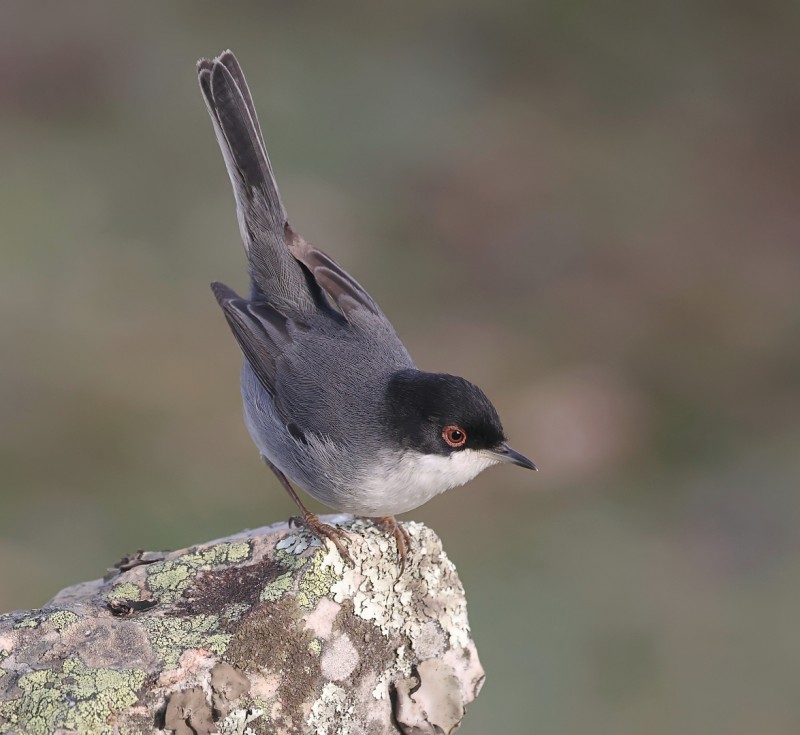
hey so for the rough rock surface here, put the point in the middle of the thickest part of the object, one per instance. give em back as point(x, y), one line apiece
point(266, 631)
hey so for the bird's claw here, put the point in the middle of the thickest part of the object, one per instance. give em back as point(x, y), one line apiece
point(390, 525)
point(324, 531)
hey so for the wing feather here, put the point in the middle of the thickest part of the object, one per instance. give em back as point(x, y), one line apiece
point(346, 293)
point(261, 331)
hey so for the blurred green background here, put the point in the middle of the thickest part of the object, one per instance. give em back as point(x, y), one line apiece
point(592, 210)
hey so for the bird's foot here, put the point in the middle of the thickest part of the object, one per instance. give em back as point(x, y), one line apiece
point(323, 531)
point(390, 525)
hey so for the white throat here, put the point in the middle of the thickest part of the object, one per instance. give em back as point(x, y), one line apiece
point(399, 482)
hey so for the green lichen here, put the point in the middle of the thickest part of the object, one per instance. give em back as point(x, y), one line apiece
point(170, 637)
point(76, 698)
point(277, 588)
point(61, 620)
point(234, 611)
point(289, 560)
point(168, 579)
point(317, 581)
point(315, 647)
point(125, 591)
point(237, 551)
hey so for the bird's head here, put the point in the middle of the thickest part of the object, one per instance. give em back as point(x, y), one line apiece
point(445, 417)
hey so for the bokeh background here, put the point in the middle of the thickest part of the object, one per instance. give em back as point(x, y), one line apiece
point(590, 209)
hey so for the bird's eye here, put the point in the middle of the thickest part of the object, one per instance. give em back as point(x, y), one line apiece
point(455, 436)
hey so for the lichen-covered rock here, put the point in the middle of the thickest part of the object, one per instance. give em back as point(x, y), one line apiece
point(263, 632)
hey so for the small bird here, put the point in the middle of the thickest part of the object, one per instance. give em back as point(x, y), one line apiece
point(332, 399)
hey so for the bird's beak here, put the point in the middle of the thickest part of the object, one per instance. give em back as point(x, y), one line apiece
point(506, 454)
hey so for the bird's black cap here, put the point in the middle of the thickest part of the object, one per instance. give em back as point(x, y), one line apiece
point(421, 405)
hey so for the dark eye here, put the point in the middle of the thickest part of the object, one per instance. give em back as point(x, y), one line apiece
point(455, 436)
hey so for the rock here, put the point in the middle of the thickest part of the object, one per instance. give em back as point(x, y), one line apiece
point(266, 631)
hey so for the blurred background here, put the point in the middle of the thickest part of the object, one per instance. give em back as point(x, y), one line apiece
point(591, 210)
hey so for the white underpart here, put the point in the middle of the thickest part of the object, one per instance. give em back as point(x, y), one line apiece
point(401, 482)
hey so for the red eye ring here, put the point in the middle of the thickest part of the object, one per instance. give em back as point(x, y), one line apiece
point(454, 436)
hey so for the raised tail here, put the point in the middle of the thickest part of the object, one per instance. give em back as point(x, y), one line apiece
point(263, 224)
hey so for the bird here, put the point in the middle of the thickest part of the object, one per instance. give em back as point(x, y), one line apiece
point(332, 399)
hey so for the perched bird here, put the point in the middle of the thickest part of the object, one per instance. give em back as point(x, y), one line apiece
point(332, 399)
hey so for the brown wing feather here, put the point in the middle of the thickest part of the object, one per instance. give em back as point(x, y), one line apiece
point(335, 281)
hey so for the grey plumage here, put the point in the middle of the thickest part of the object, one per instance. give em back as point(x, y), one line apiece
point(331, 396)
point(317, 369)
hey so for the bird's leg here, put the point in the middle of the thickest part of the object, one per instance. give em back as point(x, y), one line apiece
point(390, 525)
point(309, 521)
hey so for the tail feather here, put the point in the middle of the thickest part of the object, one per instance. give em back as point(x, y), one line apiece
point(232, 65)
point(262, 218)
